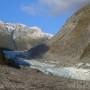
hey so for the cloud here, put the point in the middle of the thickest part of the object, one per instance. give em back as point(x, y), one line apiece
point(53, 7)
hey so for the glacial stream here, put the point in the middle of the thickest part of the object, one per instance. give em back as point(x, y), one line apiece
point(67, 72)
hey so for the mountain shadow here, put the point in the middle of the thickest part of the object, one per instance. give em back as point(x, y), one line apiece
point(2, 55)
point(37, 51)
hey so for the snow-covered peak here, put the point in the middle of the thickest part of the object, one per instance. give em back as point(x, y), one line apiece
point(35, 31)
point(20, 36)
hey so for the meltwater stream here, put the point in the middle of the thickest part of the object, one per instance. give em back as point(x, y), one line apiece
point(67, 72)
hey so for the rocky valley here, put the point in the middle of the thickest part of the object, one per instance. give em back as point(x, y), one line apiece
point(59, 62)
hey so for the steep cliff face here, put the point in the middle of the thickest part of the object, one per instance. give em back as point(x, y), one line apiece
point(73, 41)
point(21, 37)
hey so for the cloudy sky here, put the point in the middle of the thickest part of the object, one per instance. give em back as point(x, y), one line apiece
point(50, 15)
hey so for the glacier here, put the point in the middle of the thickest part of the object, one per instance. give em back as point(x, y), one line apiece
point(77, 71)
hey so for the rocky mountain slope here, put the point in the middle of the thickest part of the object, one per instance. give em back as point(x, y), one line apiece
point(72, 43)
point(21, 37)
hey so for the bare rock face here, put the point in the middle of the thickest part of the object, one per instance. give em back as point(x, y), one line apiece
point(73, 41)
point(21, 37)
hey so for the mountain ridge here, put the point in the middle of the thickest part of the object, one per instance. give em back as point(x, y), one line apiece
point(71, 42)
point(20, 36)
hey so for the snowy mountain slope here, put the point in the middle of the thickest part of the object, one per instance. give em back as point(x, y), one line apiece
point(20, 36)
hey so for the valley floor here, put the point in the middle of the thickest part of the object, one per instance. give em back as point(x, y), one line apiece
point(29, 79)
